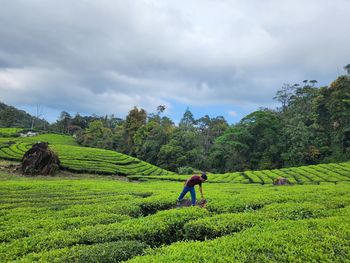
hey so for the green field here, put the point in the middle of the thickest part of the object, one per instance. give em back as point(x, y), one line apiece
point(84, 219)
point(99, 161)
point(80, 159)
point(77, 217)
point(50, 138)
point(312, 174)
point(10, 132)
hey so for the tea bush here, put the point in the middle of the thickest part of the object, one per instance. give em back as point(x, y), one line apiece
point(313, 174)
point(100, 219)
point(104, 252)
point(314, 240)
point(82, 159)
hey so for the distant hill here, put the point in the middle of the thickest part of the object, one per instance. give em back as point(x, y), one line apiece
point(13, 117)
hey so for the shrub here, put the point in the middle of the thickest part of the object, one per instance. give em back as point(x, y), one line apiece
point(294, 211)
point(220, 225)
point(185, 170)
point(315, 240)
point(103, 253)
point(164, 227)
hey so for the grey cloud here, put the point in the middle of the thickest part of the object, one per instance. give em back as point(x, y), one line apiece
point(91, 56)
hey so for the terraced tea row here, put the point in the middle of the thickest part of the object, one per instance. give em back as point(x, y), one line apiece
point(10, 132)
point(49, 137)
point(104, 220)
point(87, 160)
point(308, 240)
point(313, 174)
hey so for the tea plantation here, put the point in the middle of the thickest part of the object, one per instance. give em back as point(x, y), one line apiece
point(76, 217)
point(312, 174)
point(9, 132)
point(100, 219)
point(79, 159)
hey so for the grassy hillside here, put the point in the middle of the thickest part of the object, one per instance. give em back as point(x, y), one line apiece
point(81, 219)
point(99, 161)
point(50, 138)
point(80, 159)
point(10, 132)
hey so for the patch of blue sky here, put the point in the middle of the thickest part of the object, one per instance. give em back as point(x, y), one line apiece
point(231, 113)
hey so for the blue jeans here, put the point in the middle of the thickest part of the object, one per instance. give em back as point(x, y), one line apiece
point(192, 191)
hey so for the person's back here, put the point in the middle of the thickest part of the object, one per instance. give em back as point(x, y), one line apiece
point(194, 180)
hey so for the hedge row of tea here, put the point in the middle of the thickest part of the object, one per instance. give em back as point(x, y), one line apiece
point(10, 132)
point(311, 240)
point(50, 138)
point(103, 220)
point(80, 159)
point(314, 174)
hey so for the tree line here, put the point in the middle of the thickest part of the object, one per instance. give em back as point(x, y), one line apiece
point(13, 117)
point(312, 125)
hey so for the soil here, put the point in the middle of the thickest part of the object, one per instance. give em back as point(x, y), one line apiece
point(40, 160)
point(187, 202)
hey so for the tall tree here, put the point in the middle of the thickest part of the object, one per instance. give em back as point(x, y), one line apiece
point(265, 147)
point(284, 94)
point(64, 121)
point(187, 121)
point(134, 120)
point(149, 139)
point(209, 129)
point(339, 112)
point(231, 150)
point(347, 68)
point(300, 146)
point(185, 138)
point(96, 135)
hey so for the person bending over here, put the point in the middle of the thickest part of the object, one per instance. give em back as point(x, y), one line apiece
point(189, 187)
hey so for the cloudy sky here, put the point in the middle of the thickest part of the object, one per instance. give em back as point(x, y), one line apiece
point(216, 57)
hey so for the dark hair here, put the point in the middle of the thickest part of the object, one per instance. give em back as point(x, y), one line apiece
point(204, 176)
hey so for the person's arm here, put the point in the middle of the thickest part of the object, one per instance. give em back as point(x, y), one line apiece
point(186, 181)
point(201, 191)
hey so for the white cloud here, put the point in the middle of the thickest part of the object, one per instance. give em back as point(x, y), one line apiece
point(233, 113)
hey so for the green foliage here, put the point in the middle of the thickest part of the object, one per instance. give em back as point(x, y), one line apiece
point(187, 121)
point(135, 120)
point(104, 220)
point(315, 124)
point(103, 252)
point(220, 225)
point(294, 211)
point(149, 140)
point(185, 170)
point(58, 139)
point(347, 68)
point(12, 117)
point(169, 155)
point(80, 159)
point(96, 135)
point(252, 144)
point(315, 174)
point(319, 240)
point(230, 150)
point(10, 132)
